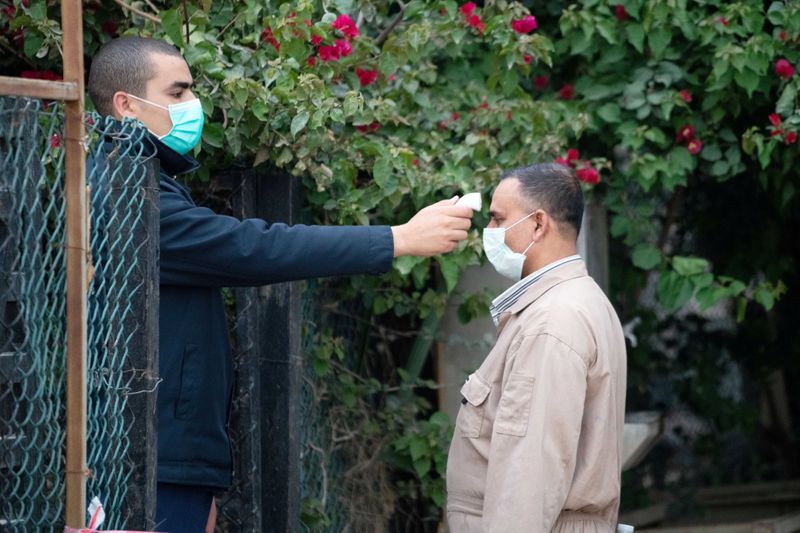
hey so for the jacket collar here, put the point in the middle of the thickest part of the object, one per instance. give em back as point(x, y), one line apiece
point(172, 163)
point(557, 276)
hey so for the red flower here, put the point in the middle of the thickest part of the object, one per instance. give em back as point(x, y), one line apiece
point(110, 27)
point(475, 21)
point(686, 133)
point(455, 116)
point(724, 21)
point(308, 22)
point(328, 53)
point(10, 11)
point(415, 162)
point(782, 36)
point(572, 155)
point(346, 25)
point(268, 37)
point(392, 77)
point(527, 59)
point(784, 69)
point(620, 13)
point(48, 75)
point(524, 25)
point(370, 127)
point(468, 8)
point(541, 82)
point(366, 77)
point(561, 161)
point(442, 124)
point(312, 61)
point(694, 146)
point(685, 95)
point(509, 116)
point(55, 140)
point(775, 119)
point(567, 92)
point(316, 40)
point(344, 47)
point(790, 138)
point(588, 175)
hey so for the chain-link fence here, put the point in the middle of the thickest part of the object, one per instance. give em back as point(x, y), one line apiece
point(122, 200)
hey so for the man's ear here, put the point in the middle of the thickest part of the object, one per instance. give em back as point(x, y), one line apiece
point(124, 106)
point(542, 223)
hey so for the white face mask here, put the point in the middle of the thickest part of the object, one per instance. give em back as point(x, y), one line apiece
point(507, 262)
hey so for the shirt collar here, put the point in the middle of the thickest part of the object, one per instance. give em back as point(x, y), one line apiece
point(511, 296)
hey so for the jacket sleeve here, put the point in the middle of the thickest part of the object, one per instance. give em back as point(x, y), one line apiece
point(202, 248)
point(534, 442)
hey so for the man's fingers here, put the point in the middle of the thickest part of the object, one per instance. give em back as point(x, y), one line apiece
point(450, 201)
point(460, 211)
point(458, 236)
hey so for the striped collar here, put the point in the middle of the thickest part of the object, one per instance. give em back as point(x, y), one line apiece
point(504, 302)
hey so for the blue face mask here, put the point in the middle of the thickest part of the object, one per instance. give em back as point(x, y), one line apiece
point(187, 124)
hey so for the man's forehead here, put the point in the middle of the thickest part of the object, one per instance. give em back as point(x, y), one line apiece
point(170, 70)
point(506, 195)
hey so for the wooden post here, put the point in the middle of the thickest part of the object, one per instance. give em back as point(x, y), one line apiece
point(77, 245)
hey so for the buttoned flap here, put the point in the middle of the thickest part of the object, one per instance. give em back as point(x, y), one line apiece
point(475, 390)
point(515, 406)
point(471, 415)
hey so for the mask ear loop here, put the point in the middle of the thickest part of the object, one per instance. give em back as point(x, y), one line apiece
point(529, 247)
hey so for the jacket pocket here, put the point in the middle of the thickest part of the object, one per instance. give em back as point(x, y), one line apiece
point(471, 415)
point(515, 406)
point(191, 383)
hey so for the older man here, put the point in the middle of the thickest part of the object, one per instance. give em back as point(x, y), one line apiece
point(538, 438)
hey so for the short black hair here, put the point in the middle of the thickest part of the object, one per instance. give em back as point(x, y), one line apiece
point(124, 65)
point(553, 187)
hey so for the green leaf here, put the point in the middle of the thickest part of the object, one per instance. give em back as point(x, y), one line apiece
point(33, 42)
point(383, 173)
point(422, 466)
point(299, 122)
point(450, 271)
point(747, 79)
point(786, 103)
point(765, 297)
point(352, 103)
point(609, 113)
point(172, 20)
point(659, 39)
point(646, 256)
point(674, 290)
point(689, 266)
point(636, 36)
point(418, 447)
point(38, 10)
point(213, 134)
point(711, 152)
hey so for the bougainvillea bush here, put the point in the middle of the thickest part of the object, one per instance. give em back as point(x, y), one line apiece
point(680, 117)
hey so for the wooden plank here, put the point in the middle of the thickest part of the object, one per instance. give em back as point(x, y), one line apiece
point(77, 247)
point(783, 524)
point(67, 91)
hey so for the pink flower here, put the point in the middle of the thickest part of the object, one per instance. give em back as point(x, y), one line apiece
point(524, 25)
point(268, 37)
point(784, 69)
point(573, 155)
point(308, 22)
point(541, 82)
point(685, 95)
point(567, 92)
point(527, 59)
point(561, 161)
point(588, 174)
point(346, 25)
point(775, 119)
point(686, 133)
point(790, 138)
point(468, 8)
point(724, 21)
point(694, 146)
point(344, 47)
point(328, 53)
point(366, 77)
point(475, 21)
point(316, 40)
point(620, 13)
point(392, 77)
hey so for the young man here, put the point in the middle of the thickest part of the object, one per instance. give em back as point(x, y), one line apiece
point(202, 251)
point(538, 438)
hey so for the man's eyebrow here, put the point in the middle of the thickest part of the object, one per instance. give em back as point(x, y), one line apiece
point(181, 85)
point(493, 213)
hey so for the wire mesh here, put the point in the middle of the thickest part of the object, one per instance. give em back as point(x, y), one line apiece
point(32, 323)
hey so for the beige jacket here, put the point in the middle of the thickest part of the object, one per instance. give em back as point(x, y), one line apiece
point(538, 439)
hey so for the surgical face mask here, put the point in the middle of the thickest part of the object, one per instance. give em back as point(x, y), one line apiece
point(507, 262)
point(187, 124)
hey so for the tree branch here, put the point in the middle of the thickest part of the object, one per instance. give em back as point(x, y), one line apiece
point(397, 19)
point(138, 11)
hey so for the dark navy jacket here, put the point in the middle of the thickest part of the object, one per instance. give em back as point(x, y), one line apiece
point(202, 251)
